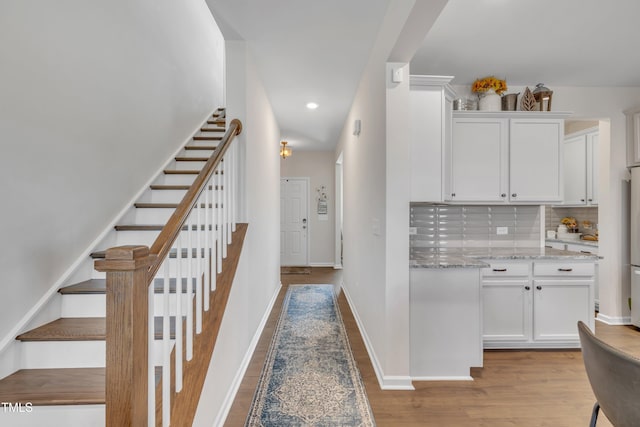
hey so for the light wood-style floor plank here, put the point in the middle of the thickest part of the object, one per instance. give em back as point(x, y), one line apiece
point(542, 388)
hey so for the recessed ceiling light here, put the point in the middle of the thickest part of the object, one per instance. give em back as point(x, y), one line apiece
point(312, 105)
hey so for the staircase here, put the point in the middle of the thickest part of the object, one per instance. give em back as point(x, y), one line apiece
point(62, 377)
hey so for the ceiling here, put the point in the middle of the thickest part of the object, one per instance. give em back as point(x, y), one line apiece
point(317, 50)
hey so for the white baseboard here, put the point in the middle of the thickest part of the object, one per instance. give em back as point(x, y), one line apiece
point(614, 320)
point(31, 314)
point(449, 378)
point(237, 380)
point(320, 264)
point(389, 382)
point(337, 266)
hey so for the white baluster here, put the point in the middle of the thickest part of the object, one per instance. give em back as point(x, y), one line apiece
point(211, 232)
point(219, 222)
point(224, 208)
point(151, 368)
point(166, 349)
point(179, 312)
point(205, 256)
point(198, 271)
point(234, 185)
point(189, 289)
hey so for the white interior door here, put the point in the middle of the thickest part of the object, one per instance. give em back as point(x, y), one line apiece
point(294, 221)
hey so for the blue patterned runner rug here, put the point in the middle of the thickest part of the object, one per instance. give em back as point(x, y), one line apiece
point(310, 377)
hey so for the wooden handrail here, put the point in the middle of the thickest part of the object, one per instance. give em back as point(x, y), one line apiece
point(163, 243)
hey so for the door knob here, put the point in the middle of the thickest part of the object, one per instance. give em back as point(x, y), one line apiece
point(527, 288)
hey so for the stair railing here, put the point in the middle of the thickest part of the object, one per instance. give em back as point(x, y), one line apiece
point(184, 261)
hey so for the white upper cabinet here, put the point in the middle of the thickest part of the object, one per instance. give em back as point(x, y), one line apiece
point(430, 117)
point(581, 168)
point(477, 161)
point(633, 136)
point(501, 157)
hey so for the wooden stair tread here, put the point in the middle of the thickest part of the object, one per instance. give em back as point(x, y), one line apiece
point(187, 172)
point(152, 205)
point(67, 386)
point(99, 286)
point(218, 129)
point(219, 122)
point(172, 254)
point(177, 187)
point(68, 329)
point(83, 329)
point(181, 172)
point(206, 138)
point(191, 159)
point(200, 147)
point(136, 227)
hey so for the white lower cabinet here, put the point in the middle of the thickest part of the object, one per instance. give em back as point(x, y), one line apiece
point(536, 304)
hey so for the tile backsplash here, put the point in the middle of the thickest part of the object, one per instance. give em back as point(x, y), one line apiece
point(451, 228)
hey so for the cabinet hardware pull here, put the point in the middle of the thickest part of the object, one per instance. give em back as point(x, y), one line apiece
point(591, 200)
point(453, 194)
point(565, 269)
point(582, 200)
point(585, 252)
point(499, 269)
point(503, 195)
point(514, 195)
point(527, 288)
point(539, 287)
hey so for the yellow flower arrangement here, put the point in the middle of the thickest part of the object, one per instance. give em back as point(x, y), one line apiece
point(490, 82)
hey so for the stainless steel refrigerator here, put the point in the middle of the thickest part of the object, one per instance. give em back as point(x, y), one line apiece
point(635, 246)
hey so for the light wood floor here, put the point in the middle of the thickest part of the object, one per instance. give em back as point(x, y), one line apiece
point(514, 388)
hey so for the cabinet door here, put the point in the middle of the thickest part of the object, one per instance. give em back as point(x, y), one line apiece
point(592, 168)
point(575, 170)
point(558, 305)
point(535, 153)
point(506, 311)
point(476, 161)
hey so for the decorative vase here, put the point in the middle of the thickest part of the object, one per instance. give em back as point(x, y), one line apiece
point(490, 101)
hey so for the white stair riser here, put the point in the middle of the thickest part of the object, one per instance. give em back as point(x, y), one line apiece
point(95, 305)
point(152, 215)
point(198, 143)
point(163, 196)
point(196, 153)
point(54, 416)
point(83, 306)
point(190, 165)
point(63, 354)
point(168, 179)
point(136, 237)
point(147, 237)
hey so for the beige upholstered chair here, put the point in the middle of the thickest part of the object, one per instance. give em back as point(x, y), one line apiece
point(614, 378)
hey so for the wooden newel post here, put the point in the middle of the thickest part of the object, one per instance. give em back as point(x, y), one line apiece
point(127, 335)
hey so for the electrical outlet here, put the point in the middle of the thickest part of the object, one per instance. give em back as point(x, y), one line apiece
point(502, 230)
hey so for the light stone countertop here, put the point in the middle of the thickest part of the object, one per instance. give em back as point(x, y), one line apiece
point(575, 242)
point(472, 258)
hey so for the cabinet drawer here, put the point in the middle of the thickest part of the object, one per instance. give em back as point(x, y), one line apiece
point(563, 269)
point(585, 249)
point(506, 269)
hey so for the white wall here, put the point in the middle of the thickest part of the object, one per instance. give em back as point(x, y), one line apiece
point(365, 213)
point(258, 277)
point(319, 166)
point(94, 98)
point(376, 194)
